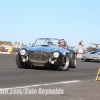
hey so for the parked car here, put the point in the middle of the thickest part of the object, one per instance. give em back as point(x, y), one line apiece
point(91, 55)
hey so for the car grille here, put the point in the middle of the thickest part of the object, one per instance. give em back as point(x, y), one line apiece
point(38, 64)
point(38, 56)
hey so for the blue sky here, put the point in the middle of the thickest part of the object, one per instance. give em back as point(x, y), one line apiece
point(73, 20)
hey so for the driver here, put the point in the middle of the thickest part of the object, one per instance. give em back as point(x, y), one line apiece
point(62, 44)
point(96, 47)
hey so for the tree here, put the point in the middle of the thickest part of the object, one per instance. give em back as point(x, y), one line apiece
point(25, 45)
point(0, 42)
point(4, 42)
point(72, 46)
point(29, 44)
point(22, 44)
point(16, 43)
point(10, 43)
point(90, 48)
point(7, 43)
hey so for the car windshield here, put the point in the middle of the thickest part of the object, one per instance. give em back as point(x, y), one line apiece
point(46, 41)
point(98, 50)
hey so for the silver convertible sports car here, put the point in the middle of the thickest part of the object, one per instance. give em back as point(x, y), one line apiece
point(93, 55)
point(46, 53)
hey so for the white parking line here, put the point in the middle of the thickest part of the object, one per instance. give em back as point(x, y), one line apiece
point(4, 53)
point(38, 85)
point(12, 67)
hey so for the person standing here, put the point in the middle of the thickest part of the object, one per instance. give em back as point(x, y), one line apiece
point(80, 49)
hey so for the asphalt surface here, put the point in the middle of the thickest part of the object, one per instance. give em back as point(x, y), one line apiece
point(79, 83)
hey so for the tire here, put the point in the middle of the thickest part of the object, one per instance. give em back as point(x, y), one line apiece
point(65, 64)
point(71, 55)
point(86, 60)
point(73, 62)
point(19, 64)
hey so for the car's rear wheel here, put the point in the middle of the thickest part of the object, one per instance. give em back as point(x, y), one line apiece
point(65, 64)
point(21, 64)
point(73, 62)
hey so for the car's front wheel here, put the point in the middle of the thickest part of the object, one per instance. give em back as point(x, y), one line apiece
point(86, 60)
point(20, 64)
point(65, 64)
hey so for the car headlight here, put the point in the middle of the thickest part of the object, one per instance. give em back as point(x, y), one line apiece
point(56, 54)
point(22, 52)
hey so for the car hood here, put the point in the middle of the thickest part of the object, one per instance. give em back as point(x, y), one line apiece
point(46, 48)
point(88, 52)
